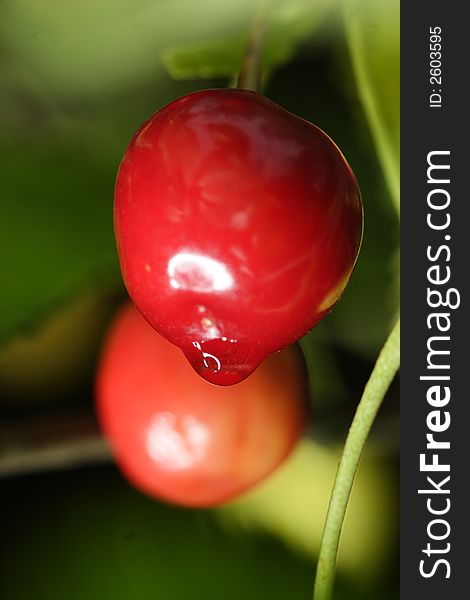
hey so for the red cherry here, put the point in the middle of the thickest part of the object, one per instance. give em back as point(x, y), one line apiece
point(238, 225)
point(181, 439)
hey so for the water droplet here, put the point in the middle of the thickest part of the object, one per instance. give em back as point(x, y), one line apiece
point(222, 361)
point(209, 360)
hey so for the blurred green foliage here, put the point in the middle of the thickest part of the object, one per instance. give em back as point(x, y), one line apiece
point(372, 30)
point(76, 80)
point(292, 504)
point(57, 357)
point(96, 47)
point(56, 233)
point(85, 534)
point(287, 25)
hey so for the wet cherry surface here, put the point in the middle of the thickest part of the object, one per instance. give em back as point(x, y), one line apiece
point(238, 225)
point(181, 439)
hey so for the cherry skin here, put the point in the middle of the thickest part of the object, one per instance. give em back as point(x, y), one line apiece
point(238, 225)
point(183, 440)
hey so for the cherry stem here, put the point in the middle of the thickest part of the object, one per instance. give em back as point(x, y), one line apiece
point(249, 77)
point(385, 369)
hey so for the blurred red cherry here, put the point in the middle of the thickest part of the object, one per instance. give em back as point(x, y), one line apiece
point(183, 440)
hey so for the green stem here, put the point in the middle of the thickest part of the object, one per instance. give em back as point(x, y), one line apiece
point(382, 375)
point(250, 73)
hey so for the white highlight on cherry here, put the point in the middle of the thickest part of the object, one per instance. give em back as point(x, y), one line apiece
point(176, 443)
point(198, 273)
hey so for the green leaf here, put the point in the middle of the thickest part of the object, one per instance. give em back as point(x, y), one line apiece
point(204, 61)
point(289, 24)
point(372, 28)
